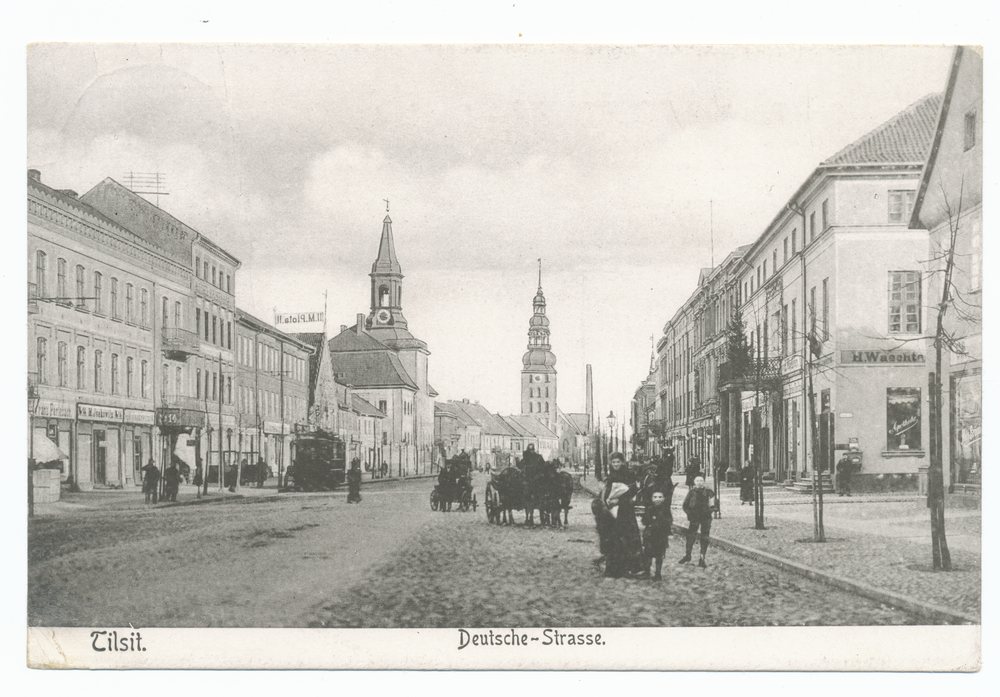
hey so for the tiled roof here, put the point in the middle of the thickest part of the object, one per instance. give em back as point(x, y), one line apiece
point(370, 369)
point(579, 422)
point(532, 425)
point(351, 340)
point(906, 137)
point(490, 423)
point(364, 407)
point(464, 416)
point(515, 427)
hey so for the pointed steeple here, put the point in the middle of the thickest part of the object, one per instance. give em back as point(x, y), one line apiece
point(386, 261)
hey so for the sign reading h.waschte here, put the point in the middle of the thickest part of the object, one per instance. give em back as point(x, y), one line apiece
point(298, 317)
point(882, 356)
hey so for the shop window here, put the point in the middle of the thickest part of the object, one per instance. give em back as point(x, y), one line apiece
point(904, 302)
point(903, 426)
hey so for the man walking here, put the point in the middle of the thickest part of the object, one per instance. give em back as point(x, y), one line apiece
point(698, 504)
point(845, 468)
point(150, 482)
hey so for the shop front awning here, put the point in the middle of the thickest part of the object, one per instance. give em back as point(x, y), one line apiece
point(44, 450)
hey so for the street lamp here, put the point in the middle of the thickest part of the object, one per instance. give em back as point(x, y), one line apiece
point(612, 422)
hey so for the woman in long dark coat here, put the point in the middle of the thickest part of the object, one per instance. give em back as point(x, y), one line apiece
point(624, 555)
point(746, 484)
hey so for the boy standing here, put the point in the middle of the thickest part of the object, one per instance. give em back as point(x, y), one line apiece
point(699, 506)
point(657, 521)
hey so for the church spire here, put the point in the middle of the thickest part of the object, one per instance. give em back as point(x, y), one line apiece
point(386, 261)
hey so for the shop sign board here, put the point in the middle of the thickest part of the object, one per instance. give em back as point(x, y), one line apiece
point(94, 412)
point(179, 417)
point(139, 416)
point(882, 357)
point(54, 410)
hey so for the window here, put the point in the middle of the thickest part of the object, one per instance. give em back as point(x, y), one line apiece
point(98, 292)
point(208, 377)
point(177, 313)
point(41, 270)
point(215, 338)
point(765, 269)
point(144, 379)
point(229, 284)
point(81, 367)
point(214, 283)
point(970, 130)
point(197, 384)
point(901, 206)
point(795, 237)
point(114, 298)
point(205, 317)
point(144, 307)
point(61, 363)
point(178, 380)
point(129, 303)
point(204, 273)
point(229, 335)
point(163, 312)
point(41, 354)
point(215, 386)
point(197, 266)
point(382, 406)
point(164, 379)
point(826, 213)
point(98, 371)
point(812, 226)
point(758, 279)
point(129, 376)
point(197, 319)
point(784, 330)
point(784, 247)
point(902, 417)
point(774, 260)
point(904, 302)
point(826, 309)
point(61, 291)
point(80, 283)
point(229, 390)
point(114, 374)
point(812, 310)
point(795, 319)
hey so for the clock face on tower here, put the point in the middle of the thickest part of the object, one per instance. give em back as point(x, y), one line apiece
point(538, 378)
point(382, 316)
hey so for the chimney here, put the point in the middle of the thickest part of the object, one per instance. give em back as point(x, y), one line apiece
point(343, 328)
point(361, 324)
point(35, 174)
point(69, 192)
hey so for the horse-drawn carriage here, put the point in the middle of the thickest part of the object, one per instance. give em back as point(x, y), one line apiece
point(533, 485)
point(454, 486)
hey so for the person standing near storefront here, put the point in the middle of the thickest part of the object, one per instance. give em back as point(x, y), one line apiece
point(845, 468)
point(150, 481)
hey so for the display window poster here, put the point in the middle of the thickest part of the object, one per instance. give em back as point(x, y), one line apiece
point(903, 425)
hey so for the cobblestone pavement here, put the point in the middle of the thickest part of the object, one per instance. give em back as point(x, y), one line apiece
point(883, 541)
point(462, 572)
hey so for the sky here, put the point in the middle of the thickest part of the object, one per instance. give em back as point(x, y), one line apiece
point(625, 169)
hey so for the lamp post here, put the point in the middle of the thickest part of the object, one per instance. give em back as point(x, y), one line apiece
point(33, 399)
point(612, 442)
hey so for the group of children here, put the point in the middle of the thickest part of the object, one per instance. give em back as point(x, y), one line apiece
point(657, 522)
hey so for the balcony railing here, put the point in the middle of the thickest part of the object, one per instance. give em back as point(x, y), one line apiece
point(179, 343)
point(176, 401)
point(763, 374)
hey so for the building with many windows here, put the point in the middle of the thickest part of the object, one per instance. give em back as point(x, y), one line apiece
point(831, 296)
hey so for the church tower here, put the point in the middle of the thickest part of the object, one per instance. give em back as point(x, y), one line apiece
point(387, 284)
point(538, 377)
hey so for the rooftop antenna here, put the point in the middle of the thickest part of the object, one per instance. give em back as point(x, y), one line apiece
point(148, 183)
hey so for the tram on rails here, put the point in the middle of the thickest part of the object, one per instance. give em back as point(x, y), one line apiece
point(319, 462)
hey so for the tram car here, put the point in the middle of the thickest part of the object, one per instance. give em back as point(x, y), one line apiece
point(319, 462)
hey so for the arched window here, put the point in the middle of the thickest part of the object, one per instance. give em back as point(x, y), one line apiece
point(163, 313)
point(80, 291)
point(81, 367)
point(129, 376)
point(114, 374)
point(41, 270)
point(114, 298)
point(41, 353)
point(144, 379)
point(546, 390)
point(98, 371)
point(61, 291)
point(144, 307)
point(383, 296)
point(129, 303)
point(531, 408)
point(98, 292)
point(61, 360)
point(546, 407)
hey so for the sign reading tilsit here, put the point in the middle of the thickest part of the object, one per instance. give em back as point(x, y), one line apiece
point(298, 317)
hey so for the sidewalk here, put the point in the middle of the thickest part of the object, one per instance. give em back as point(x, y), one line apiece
point(877, 545)
point(132, 498)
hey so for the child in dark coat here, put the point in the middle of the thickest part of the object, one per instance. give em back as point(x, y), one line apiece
point(657, 521)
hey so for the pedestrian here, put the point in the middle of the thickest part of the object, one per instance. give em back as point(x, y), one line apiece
point(699, 506)
point(171, 482)
point(657, 522)
point(624, 555)
point(586, 468)
point(692, 470)
point(197, 480)
point(668, 459)
point(230, 476)
point(845, 468)
point(385, 469)
point(354, 482)
point(746, 483)
point(150, 481)
point(262, 472)
point(446, 486)
point(664, 481)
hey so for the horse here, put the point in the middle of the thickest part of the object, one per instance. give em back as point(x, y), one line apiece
point(506, 489)
point(564, 495)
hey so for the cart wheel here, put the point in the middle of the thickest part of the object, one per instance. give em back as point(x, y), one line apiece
point(435, 501)
point(475, 504)
point(491, 511)
point(466, 502)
